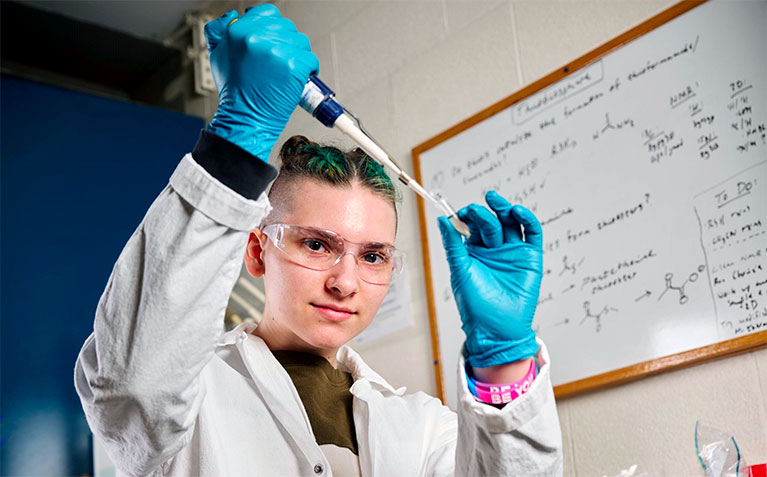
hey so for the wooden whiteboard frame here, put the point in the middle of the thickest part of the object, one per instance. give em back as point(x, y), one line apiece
point(619, 376)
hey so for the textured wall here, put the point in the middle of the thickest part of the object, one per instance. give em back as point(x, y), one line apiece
point(413, 69)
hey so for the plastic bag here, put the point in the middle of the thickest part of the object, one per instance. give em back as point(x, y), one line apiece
point(718, 453)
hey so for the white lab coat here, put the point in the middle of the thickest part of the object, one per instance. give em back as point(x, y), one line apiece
point(168, 393)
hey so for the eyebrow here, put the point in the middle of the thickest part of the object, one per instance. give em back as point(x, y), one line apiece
point(377, 245)
point(369, 245)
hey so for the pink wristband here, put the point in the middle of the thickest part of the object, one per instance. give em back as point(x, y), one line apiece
point(504, 393)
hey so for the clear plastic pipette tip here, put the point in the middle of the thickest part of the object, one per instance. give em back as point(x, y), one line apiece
point(451, 215)
point(439, 201)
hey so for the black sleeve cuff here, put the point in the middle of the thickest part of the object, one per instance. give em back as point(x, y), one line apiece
point(235, 167)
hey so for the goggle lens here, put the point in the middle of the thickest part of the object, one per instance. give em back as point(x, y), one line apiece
point(319, 249)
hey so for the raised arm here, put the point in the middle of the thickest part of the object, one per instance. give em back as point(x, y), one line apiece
point(495, 276)
point(159, 318)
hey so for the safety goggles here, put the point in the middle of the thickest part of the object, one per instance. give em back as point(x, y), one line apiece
point(319, 249)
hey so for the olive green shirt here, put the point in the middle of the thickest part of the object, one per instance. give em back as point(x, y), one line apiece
point(324, 392)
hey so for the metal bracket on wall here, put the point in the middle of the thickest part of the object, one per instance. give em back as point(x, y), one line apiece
point(203, 76)
point(197, 52)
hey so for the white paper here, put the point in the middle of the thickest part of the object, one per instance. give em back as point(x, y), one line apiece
point(394, 314)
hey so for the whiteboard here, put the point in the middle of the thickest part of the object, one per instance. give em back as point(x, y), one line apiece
point(647, 170)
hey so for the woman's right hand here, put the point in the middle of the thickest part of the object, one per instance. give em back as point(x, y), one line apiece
point(260, 63)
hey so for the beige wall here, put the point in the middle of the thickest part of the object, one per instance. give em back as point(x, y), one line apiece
point(412, 69)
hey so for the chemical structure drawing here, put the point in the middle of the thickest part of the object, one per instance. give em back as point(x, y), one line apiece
point(598, 317)
point(692, 278)
point(570, 267)
point(628, 122)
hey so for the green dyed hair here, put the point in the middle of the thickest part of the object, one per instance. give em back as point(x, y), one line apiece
point(304, 159)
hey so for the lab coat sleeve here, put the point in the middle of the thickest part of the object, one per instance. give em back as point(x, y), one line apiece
point(521, 439)
point(161, 314)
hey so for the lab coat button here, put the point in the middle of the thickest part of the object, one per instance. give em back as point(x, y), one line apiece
point(318, 469)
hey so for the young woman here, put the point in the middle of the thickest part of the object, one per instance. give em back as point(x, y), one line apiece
point(168, 393)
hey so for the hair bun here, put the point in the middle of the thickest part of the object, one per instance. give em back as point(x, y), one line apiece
point(293, 145)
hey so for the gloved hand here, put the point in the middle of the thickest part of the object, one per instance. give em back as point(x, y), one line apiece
point(260, 64)
point(496, 277)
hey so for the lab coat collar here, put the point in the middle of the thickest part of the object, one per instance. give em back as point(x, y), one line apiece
point(351, 362)
point(348, 361)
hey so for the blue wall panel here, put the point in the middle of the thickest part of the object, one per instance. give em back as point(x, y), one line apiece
point(77, 173)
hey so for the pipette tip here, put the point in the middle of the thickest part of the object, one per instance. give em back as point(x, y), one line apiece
point(459, 225)
point(452, 216)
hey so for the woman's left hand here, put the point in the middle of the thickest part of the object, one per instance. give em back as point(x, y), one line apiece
point(496, 277)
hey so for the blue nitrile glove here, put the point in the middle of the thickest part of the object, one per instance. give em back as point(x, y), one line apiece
point(261, 65)
point(496, 276)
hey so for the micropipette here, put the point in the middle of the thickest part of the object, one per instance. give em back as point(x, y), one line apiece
point(319, 101)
